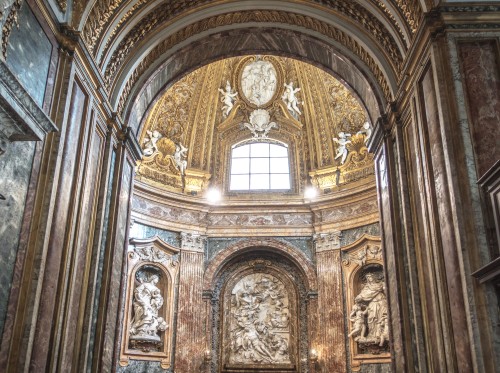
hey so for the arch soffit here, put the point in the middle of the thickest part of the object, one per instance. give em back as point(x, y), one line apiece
point(242, 247)
point(157, 25)
point(114, 19)
point(122, 69)
point(226, 44)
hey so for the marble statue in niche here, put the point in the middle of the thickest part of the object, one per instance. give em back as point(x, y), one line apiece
point(369, 314)
point(342, 148)
point(260, 123)
point(146, 324)
point(228, 97)
point(258, 82)
point(259, 330)
point(290, 99)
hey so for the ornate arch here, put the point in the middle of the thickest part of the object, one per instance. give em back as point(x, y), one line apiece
point(246, 246)
point(155, 80)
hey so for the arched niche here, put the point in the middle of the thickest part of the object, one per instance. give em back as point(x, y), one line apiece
point(265, 270)
point(366, 302)
point(152, 268)
point(259, 319)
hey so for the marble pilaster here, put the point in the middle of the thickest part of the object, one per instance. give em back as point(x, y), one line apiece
point(331, 333)
point(191, 308)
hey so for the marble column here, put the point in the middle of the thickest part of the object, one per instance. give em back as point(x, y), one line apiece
point(191, 307)
point(331, 348)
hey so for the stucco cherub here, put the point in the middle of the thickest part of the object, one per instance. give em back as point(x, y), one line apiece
point(150, 142)
point(180, 156)
point(228, 97)
point(367, 130)
point(342, 149)
point(290, 99)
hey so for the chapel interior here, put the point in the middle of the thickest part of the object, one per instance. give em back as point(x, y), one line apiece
point(224, 186)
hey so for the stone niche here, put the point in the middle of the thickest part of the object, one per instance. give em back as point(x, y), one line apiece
point(259, 320)
point(366, 302)
point(151, 275)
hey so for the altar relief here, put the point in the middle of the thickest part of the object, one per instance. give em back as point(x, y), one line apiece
point(259, 331)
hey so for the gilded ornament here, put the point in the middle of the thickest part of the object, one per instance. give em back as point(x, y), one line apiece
point(260, 123)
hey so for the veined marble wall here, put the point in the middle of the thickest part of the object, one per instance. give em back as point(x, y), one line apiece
point(29, 53)
point(15, 170)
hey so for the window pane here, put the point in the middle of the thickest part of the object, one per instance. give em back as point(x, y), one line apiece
point(280, 181)
point(241, 151)
point(259, 150)
point(259, 165)
point(259, 181)
point(279, 165)
point(239, 182)
point(278, 151)
point(240, 166)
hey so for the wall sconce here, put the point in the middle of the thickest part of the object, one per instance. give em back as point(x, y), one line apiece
point(213, 196)
point(313, 357)
point(207, 355)
point(310, 192)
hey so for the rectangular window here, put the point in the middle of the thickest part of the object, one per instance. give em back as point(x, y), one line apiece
point(260, 166)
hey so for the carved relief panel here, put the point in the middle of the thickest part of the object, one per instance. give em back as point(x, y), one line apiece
point(366, 302)
point(259, 321)
point(151, 276)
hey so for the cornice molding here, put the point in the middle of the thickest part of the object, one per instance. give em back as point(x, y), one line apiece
point(21, 117)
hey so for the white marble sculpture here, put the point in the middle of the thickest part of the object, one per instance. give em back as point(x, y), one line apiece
point(180, 157)
point(342, 148)
point(228, 97)
point(146, 323)
point(260, 123)
point(357, 317)
point(258, 82)
point(290, 99)
point(150, 142)
point(259, 329)
point(369, 314)
point(367, 130)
